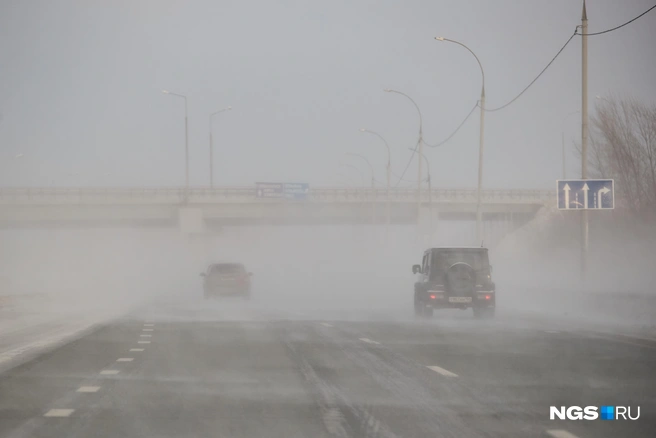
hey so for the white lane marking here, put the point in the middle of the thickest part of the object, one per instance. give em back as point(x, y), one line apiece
point(441, 371)
point(146, 336)
point(143, 342)
point(551, 331)
point(325, 324)
point(559, 433)
point(59, 413)
point(88, 389)
point(125, 359)
point(136, 349)
point(148, 330)
point(149, 325)
point(109, 372)
point(369, 341)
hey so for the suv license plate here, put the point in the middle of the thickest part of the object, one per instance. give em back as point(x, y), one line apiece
point(460, 300)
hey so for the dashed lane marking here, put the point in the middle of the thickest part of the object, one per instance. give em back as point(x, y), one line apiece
point(148, 330)
point(441, 371)
point(109, 372)
point(125, 359)
point(88, 389)
point(325, 324)
point(146, 336)
point(136, 349)
point(559, 433)
point(149, 325)
point(143, 342)
point(59, 413)
point(369, 341)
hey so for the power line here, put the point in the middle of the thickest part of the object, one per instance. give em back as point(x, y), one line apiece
point(435, 145)
point(561, 50)
point(621, 25)
point(454, 132)
point(536, 78)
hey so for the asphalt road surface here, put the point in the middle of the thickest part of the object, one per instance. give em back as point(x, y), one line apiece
point(238, 369)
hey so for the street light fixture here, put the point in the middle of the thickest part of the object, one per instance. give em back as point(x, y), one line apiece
point(421, 150)
point(389, 171)
point(479, 230)
point(186, 138)
point(212, 146)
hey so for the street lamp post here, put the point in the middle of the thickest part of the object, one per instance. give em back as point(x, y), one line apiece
point(389, 172)
point(479, 230)
point(421, 150)
point(186, 139)
point(430, 191)
point(373, 185)
point(212, 146)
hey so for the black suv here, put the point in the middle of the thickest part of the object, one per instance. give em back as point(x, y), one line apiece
point(455, 278)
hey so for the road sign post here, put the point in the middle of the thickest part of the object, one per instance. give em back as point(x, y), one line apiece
point(585, 195)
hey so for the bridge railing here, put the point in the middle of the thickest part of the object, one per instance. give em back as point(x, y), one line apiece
point(36, 195)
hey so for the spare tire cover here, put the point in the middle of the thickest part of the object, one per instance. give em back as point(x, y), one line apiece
point(461, 279)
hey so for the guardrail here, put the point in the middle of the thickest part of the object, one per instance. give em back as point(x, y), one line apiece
point(229, 194)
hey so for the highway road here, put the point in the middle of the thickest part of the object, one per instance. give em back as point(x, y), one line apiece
point(186, 368)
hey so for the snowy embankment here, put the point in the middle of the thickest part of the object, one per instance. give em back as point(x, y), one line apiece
point(33, 324)
point(538, 271)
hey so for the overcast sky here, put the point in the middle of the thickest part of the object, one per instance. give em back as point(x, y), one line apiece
point(81, 100)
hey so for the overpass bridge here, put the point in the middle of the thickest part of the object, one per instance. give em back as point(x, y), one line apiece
point(213, 208)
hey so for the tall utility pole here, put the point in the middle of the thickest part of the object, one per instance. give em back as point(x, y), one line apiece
point(584, 136)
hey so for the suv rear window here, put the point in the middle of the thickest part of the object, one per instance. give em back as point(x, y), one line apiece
point(227, 269)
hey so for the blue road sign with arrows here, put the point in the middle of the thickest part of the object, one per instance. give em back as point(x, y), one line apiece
point(586, 194)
